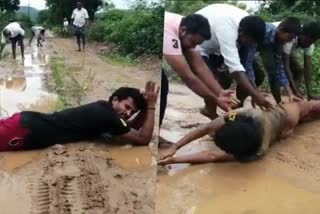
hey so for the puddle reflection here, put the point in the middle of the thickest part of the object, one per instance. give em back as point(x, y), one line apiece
point(27, 91)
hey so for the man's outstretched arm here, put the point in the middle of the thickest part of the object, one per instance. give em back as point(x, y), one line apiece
point(144, 136)
point(199, 132)
point(199, 158)
point(201, 70)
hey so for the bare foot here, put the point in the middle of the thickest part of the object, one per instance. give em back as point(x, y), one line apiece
point(205, 113)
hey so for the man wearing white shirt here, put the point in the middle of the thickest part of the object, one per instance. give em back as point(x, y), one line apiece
point(13, 33)
point(233, 33)
point(79, 20)
point(310, 33)
point(38, 32)
point(65, 26)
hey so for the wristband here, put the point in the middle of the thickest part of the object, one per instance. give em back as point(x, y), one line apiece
point(151, 108)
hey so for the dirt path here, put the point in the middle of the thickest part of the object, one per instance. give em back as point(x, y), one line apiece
point(86, 177)
point(285, 181)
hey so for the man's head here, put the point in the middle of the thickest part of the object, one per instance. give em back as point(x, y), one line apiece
point(127, 101)
point(288, 29)
point(310, 33)
point(194, 30)
point(241, 137)
point(42, 31)
point(79, 5)
point(252, 30)
point(41, 34)
point(6, 33)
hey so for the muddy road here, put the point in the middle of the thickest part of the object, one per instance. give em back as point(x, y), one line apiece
point(85, 177)
point(286, 180)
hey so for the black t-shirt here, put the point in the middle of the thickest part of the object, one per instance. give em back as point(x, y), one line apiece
point(75, 124)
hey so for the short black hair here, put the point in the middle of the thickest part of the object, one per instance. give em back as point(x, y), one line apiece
point(242, 137)
point(6, 32)
point(311, 28)
point(125, 92)
point(254, 27)
point(42, 31)
point(291, 25)
point(197, 24)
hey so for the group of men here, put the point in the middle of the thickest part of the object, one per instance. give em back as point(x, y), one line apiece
point(207, 50)
point(222, 42)
point(15, 33)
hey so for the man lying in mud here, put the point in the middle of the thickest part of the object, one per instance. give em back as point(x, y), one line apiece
point(32, 130)
point(244, 134)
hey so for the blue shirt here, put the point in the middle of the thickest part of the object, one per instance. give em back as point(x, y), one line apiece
point(277, 74)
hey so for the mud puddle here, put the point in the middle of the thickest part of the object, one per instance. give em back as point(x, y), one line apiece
point(286, 180)
point(26, 90)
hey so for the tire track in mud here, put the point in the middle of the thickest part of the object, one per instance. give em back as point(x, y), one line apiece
point(66, 184)
point(92, 186)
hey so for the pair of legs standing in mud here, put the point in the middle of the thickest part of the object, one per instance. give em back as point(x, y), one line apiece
point(81, 37)
point(17, 40)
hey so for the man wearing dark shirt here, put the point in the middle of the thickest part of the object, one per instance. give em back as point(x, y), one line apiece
point(31, 130)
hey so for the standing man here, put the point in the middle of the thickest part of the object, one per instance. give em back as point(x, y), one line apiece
point(13, 33)
point(79, 19)
point(38, 32)
point(182, 35)
point(234, 33)
point(310, 33)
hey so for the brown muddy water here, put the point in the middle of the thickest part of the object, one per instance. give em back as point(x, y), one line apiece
point(26, 89)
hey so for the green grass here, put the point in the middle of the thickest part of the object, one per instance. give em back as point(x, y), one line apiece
point(118, 59)
point(61, 104)
point(57, 67)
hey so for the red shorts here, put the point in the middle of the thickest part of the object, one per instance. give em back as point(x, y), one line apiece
point(12, 134)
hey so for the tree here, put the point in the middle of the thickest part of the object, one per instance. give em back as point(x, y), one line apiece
point(43, 17)
point(188, 7)
point(9, 5)
point(59, 9)
point(310, 7)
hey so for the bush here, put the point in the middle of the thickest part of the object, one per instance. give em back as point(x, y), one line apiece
point(58, 30)
point(136, 32)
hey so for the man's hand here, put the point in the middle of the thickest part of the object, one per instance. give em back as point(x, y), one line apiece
point(263, 102)
point(151, 94)
point(226, 100)
point(169, 152)
point(166, 161)
point(294, 98)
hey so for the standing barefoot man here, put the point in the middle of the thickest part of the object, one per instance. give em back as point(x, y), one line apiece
point(79, 19)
